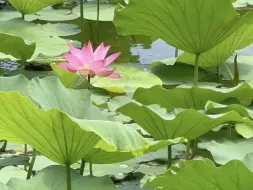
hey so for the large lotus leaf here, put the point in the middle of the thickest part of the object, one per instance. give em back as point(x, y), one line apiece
point(104, 154)
point(245, 129)
point(56, 15)
point(188, 123)
point(22, 50)
point(106, 11)
point(194, 26)
point(216, 108)
point(35, 33)
point(130, 77)
point(17, 83)
point(8, 13)
point(225, 151)
point(50, 93)
point(192, 97)
point(32, 6)
point(54, 178)
point(12, 172)
point(221, 52)
point(51, 132)
point(201, 175)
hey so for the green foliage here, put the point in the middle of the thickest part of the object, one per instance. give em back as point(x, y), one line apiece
point(234, 175)
point(194, 26)
point(32, 6)
point(22, 50)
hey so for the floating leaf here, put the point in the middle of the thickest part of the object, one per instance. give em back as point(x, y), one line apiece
point(189, 25)
point(189, 124)
point(62, 29)
point(54, 178)
point(22, 50)
point(130, 77)
point(32, 6)
point(192, 97)
point(11, 172)
point(34, 33)
point(201, 175)
point(225, 151)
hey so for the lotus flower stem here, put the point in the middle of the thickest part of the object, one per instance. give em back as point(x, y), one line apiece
point(23, 16)
point(176, 52)
point(68, 175)
point(91, 170)
point(25, 153)
point(82, 166)
point(169, 157)
point(218, 74)
point(187, 152)
point(34, 154)
point(196, 70)
point(97, 23)
point(236, 72)
point(3, 148)
point(82, 22)
point(230, 125)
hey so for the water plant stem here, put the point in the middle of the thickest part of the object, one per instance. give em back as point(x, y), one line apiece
point(188, 148)
point(91, 171)
point(82, 22)
point(236, 72)
point(194, 150)
point(68, 175)
point(196, 70)
point(169, 157)
point(82, 166)
point(230, 131)
point(218, 73)
point(176, 52)
point(29, 173)
point(23, 16)
point(25, 153)
point(97, 22)
point(3, 148)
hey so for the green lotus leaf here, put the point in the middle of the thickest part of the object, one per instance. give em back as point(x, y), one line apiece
point(49, 93)
point(130, 77)
point(245, 129)
point(35, 33)
point(54, 130)
point(11, 172)
point(8, 13)
point(189, 123)
point(104, 154)
point(106, 11)
point(54, 178)
point(22, 50)
point(119, 139)
point(18, 83)
point(194, 26)
point(32, 6)
point(212, 107)
point(201, 175)
point(221, 52)
point(225, 151)
point(192, 97)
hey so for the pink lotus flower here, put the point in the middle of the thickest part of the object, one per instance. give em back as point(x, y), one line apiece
point(88, 63)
